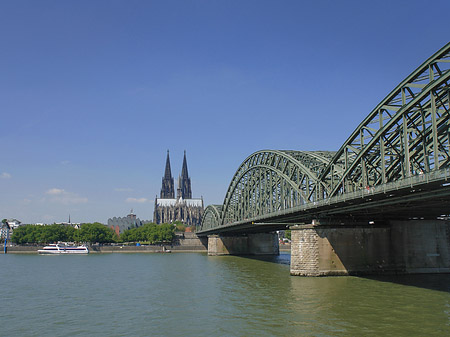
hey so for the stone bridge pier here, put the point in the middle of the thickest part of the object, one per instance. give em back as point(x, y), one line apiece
point(395, 247)
point(249, 244)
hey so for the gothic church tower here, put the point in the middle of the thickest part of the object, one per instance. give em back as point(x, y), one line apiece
point(167, 189)
point(184, 182)
point(184, 208)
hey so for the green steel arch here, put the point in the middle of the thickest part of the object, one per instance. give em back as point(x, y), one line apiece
point(211, 217)
point(407, 134)
point(269, 181)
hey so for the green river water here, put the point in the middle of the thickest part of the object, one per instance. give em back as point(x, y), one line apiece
point(192, 294)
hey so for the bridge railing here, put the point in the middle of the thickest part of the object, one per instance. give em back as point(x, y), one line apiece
point(441, 175)
point(412, 181)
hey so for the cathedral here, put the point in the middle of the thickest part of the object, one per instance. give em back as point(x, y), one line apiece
point(182, 208)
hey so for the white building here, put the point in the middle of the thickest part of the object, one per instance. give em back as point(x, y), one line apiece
point(13, 223)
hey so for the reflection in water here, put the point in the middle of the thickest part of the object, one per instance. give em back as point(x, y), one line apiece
point(252, 295)
point(352, 306)
point(398, 305)
point(198, 295)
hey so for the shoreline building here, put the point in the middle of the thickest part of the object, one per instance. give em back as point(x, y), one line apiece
point(7, 228)
point(183, 208)
point(121, 224)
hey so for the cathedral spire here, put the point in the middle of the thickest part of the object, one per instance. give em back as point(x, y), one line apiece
point(184, 208)
point(184, 182)
point(167, 172)
point(184, 170)
point(167, 189)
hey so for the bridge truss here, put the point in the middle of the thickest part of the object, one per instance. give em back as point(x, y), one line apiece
point(404, 140)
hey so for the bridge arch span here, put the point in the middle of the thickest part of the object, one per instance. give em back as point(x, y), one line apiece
point(211, 218)
point(272, 180)
point(406, 134)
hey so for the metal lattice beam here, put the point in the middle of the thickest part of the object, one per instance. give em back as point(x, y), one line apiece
point(270, 181)
point(406, 136)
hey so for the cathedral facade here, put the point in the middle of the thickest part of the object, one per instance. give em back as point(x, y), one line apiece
point(183, 207)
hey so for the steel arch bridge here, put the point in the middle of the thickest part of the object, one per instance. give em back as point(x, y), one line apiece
point(398, 155)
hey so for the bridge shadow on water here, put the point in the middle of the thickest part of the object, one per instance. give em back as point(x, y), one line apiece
point(284, 258)
point(438, 282)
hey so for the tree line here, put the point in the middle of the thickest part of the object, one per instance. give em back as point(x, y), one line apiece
point(150, 232)
point(92, 233)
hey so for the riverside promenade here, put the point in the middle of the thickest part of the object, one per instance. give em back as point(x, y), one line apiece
point(183, 243)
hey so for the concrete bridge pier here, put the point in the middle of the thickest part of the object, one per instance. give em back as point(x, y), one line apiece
point(249, 244)
point(400, 247)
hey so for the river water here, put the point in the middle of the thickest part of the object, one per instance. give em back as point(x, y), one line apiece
point(192, 294)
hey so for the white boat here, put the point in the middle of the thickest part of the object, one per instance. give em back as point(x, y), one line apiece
point(63, 248)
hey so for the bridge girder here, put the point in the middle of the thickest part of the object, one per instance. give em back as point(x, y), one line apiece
point(211, 217)
point(407, 134)
point(272, 180)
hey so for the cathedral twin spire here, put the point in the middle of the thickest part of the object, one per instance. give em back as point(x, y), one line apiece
point(167, 189)
point(184, 182)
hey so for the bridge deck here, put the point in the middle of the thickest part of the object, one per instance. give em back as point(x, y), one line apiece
point(426, 195)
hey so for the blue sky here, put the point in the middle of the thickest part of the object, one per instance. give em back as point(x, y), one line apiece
point(93, 93)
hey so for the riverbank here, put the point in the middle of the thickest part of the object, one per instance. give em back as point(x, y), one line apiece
point(93, 249)
point(183, 243)
point(128, 249)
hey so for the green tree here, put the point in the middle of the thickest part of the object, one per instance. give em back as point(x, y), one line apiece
point(133, 235)
point(94, 232)
point(56, 232)
point(149, 232)
point(167, 232)
point(43, 234)
point(19, 234)
point(287, 234)
point(51, 233)
point(69, 233)
point(179, 226)
point(26, 234)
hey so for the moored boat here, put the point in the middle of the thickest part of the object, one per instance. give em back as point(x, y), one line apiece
point(63, 248)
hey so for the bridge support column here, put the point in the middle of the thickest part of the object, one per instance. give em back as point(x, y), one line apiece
point(396, 247)
point(250, 244)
